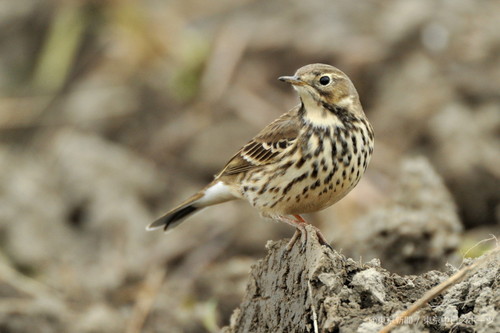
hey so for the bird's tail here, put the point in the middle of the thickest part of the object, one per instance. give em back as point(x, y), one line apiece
point(216, 192)
point(176, 215)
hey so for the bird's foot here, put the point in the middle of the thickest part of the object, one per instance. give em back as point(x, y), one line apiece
point(300, 224)
point(299, 232)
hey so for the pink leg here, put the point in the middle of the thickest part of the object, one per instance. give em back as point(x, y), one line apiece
point(299, 223)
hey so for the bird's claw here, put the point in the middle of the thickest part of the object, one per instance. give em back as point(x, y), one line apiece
point(301, 232)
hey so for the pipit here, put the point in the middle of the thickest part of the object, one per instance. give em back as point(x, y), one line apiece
point(303, 162)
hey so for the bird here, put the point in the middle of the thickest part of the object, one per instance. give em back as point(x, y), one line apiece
point(304, 161)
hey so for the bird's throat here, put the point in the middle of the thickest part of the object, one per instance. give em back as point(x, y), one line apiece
point(315, 114)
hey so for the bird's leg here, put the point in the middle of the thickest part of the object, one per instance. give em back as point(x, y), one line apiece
point(300, 224)
point(299, 229)
point(322, 239)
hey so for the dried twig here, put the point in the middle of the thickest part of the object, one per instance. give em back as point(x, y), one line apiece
point(224, 60)
point(314, 315)
point(21, 282)
point(492, 238)
point(146, 298)
point(437, 290)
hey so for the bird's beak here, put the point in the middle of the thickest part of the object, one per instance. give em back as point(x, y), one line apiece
point(295, 80)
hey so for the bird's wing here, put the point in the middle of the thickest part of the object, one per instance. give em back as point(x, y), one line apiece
point(267, 147)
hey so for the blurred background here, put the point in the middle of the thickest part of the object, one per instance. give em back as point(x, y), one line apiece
point(111, 112)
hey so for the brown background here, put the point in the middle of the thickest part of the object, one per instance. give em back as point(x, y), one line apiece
point(111, 112)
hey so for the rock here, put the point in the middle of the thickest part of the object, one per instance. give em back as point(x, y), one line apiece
point(315, 289)
point(370, 282)
point(419, 228)
point(469, 162)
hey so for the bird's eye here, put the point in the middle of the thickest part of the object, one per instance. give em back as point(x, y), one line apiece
point(324, 80)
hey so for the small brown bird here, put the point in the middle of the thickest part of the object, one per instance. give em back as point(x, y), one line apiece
point(304, 161)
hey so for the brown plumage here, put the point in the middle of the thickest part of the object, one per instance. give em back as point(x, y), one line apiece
point(304, 161)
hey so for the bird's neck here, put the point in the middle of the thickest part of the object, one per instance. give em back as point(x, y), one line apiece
point(322, 115)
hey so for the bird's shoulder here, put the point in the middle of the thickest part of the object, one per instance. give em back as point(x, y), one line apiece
point(266, 147)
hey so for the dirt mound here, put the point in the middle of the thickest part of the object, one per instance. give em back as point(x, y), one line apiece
point(315, 289)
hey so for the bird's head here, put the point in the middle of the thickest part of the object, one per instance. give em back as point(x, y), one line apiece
point(320, 85)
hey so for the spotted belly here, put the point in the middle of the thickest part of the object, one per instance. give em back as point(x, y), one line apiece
point(311, 180)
